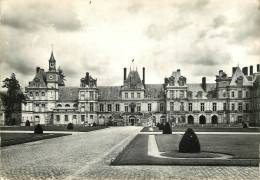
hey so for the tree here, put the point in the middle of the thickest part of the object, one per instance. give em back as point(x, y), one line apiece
point(167, 129)
point(189, 142)
point(12, 99)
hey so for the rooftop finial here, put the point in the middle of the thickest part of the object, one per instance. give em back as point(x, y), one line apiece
point(51, 47)
point(238, 64)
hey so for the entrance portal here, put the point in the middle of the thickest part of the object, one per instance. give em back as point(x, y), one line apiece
point(132, 120)
point(214, 119)
point(190, 119)
point(202, 119)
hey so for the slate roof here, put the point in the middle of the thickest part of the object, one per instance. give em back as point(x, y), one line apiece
point(68, 94)
point(109, 92)
point(155, 90)
point(40, 78)
point(195, 88)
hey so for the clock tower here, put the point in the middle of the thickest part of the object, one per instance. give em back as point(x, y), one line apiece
point(52, 63)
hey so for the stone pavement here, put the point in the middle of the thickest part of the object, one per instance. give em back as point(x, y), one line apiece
point(87, 156)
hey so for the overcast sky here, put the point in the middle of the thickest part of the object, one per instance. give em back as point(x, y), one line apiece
point(200, 37)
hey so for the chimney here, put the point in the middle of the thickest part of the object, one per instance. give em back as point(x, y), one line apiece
point(178, 70)
point(204, 83)
point(143, 75)
point(251, 70)
point(245, 70)
point(124, 74)
point(220, 73)
point(37, 69)
point(258, 67)
point(87, 78)
point(233, 70)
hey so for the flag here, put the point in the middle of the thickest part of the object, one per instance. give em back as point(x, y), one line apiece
point(133, 60)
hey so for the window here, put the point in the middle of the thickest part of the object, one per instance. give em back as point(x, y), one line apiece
point(138, 95)
point(82, 95)
point(171, 94)
point(43, 93)
point(67, 105)
point(214, 107)
point(161, 107)
point(233, 106)
point(224, 106)
point(117, 107)
point(101, 107)
point(202, 107)
point(190, 106)
point(58, 117)
point(171, 106)
point(240, 94)
point(43, 105)
point(239, 119)
point(74, 116)
point(232, 94)
point(138, 108)
point(181, 94)
point(30, 94)
point(126, 95)
point(247, 94)
point(182, 106)
point(37, 105)
point(59, 105)
point(66, 117)
point(126, 108)
point(91, 116)
point(91, 108)
point(82, 117)
point(240, 107)
point(109, 107)
point(149, 96)
point(36, 94)
point(132, 95)
point(149, 107)
point(247, 107)
point(91, 94)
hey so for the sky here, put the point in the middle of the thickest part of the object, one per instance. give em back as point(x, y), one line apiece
point(199, 37)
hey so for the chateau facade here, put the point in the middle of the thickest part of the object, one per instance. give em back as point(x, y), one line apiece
point(232, 99)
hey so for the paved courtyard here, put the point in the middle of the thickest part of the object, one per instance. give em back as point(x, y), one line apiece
point(87, 156)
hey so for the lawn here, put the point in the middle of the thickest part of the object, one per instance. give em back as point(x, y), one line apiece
point(8, 139)
point(245, 149)
point(204, 129)
point(53, 128)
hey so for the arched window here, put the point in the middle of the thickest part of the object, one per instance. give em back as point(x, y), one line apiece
point(43, 93)
point(30, 94)
point(75, 105)
point(36, 94)
point(67, 105)
point(59, 105)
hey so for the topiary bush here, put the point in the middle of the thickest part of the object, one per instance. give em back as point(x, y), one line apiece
point(161, 127)
point(27, 123)
point(167, 129)
point(94, 124)
point(158, 124)
point(189, 142)
point(245, 125)
point(38, 129)
point(70, 126)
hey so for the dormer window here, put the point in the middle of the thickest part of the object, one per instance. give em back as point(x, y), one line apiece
point(43, 93)
point(36, 94)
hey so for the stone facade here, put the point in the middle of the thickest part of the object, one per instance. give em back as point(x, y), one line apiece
point(232, 99)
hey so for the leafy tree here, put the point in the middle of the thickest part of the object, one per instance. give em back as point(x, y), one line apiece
point(12, 99)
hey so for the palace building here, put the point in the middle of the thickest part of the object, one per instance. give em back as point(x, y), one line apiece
point(231, 99)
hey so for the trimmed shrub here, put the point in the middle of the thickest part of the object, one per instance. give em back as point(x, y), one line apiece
point(94, 124)
point(161, 127)
point(27, 123)
point(38, 129)
point(158, 124)
point(167, 129)
point(189, 142)
point(70, 126)
point(245, 125)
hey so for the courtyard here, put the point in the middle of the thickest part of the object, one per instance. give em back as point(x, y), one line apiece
point(88, 155)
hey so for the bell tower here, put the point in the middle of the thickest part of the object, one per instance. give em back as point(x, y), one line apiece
point(52, 63)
